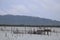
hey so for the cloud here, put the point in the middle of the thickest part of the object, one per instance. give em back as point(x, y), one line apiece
point(19, 6)
point(2, 12)
point(42, 8)
point(48, 4)
point(15, 10)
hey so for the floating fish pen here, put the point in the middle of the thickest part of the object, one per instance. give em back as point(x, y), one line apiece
point(28, 29)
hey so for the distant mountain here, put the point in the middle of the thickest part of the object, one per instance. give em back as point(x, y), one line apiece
point(11, 19)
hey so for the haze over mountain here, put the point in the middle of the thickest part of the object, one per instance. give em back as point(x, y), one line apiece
point(16, 19)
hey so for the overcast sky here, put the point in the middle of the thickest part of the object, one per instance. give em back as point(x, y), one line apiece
point(41, 8)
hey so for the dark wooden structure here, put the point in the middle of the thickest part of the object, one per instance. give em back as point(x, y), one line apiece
point(41, 32)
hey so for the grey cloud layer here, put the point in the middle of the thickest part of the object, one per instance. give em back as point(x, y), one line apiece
point(42, 8)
